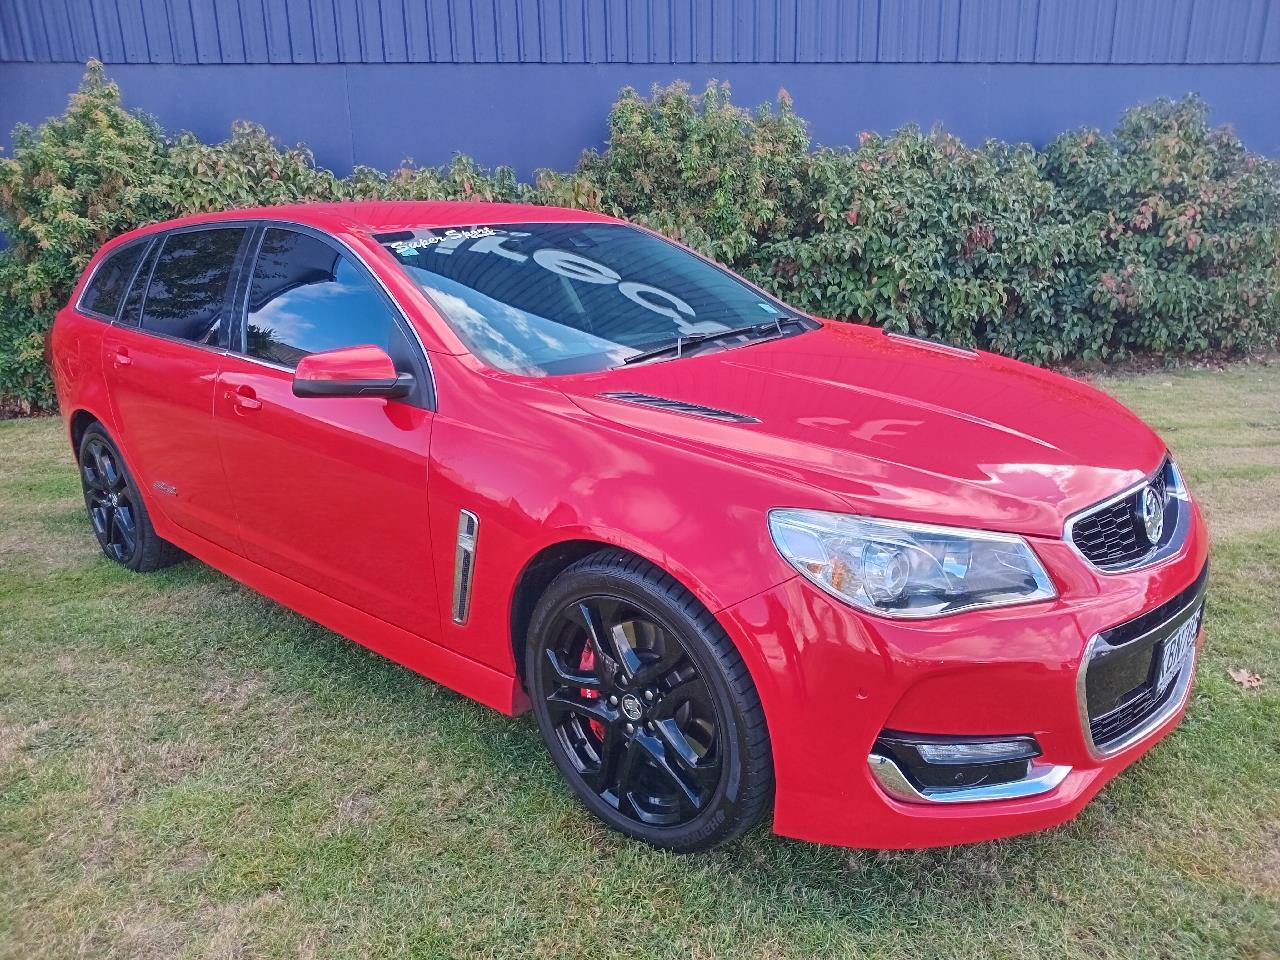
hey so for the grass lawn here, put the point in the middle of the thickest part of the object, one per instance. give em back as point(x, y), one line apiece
point(187, 769)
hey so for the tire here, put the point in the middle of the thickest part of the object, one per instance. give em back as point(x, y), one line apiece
point(646, 706)
point(116, 510)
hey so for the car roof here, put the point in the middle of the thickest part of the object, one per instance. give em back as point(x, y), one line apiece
point(379, 216)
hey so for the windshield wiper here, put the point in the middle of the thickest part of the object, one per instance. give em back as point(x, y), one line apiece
point(679, 344)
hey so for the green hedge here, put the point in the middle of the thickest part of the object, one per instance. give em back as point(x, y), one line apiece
point(1162, 239)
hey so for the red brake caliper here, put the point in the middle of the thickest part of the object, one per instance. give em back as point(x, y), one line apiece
point(588, 663)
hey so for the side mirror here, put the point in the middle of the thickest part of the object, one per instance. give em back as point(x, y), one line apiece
point(350, 372)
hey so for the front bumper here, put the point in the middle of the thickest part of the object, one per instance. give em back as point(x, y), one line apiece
point(832, 679)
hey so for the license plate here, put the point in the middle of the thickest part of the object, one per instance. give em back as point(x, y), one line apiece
point(1177, 648)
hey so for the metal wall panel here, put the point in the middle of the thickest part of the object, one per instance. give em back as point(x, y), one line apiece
point(641, 31)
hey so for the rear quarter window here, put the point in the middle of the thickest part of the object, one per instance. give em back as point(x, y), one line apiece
point(110, 280)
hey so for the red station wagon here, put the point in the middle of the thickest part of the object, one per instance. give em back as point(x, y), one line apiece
point(732, 557)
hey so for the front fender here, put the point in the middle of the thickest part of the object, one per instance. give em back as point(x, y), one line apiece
point(537, 471)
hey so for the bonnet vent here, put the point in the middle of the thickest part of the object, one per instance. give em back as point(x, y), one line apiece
point(678, 406)
point(941, 346)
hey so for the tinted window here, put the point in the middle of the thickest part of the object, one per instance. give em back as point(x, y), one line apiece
point(307, 297)
point(111, 279)
point(131, 312)
point(546, 298)
point(188, 286)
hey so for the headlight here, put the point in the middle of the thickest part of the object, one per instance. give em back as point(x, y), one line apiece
point(909, 569)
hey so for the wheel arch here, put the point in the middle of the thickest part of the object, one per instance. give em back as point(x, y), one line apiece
point(533, 580)
point(80, 421)
point(549, 561)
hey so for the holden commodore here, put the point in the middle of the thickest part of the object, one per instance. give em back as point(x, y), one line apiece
point(735, 559)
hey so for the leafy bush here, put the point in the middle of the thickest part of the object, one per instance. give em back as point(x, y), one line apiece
point(1189, 224)
point(922, 234)
point(1162, 239)
point(100, 170)
point(247, 169)
point(79, 180)
point(462, 179)
point(695, 168)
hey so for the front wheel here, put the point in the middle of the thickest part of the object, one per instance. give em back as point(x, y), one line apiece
point(646, 706)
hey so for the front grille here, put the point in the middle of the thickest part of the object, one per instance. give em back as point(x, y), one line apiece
point(1112, 536)
point(1118, 691)
point(1111, 726)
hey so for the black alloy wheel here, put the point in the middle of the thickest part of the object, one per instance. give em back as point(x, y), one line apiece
point(116, 510)
point(646, 706)
point(110, 499)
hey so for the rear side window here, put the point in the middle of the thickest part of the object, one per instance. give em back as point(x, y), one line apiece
point(188, 290)
point(111, 280)
point(306, 297)
point(131, 312)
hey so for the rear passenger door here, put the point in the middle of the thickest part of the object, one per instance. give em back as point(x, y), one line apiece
point(331, 492)
point(161, 361)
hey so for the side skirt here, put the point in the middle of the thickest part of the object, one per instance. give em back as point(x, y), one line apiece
point(462, 674)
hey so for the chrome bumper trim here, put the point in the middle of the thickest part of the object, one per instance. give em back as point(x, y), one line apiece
point(1041, 778)
point(1177, 699)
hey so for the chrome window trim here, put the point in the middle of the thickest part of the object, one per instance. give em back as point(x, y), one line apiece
point(213, 348)
point(1157, 555)
point(269, 364)
point(1040, 778)
point(265, 222)
point(1177, 699)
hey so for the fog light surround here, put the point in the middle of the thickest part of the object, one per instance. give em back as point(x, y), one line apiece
point(921, 768)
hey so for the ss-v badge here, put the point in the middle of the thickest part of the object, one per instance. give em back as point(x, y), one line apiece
point(165, 488)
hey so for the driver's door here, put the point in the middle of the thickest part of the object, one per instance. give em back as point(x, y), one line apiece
point(329, 491)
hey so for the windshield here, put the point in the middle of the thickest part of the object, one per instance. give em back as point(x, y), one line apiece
point(552, 298)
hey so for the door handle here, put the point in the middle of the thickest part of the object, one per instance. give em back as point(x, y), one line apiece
point(122, 358)
point(244, 399)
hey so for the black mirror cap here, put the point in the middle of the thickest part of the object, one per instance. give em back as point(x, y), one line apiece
point(391, 389)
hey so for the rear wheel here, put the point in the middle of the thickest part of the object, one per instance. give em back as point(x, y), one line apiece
point(646, 706)
point(116, 511)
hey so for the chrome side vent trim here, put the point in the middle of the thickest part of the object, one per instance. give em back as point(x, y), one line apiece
point(678, 406)
point(464, 562)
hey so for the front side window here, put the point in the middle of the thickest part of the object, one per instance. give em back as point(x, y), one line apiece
point(111, 279)
point(306, 297)
point(187, 295)
point(553, 298)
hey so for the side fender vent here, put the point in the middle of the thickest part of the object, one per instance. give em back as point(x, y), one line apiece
point(678, 406)
point(464, 563)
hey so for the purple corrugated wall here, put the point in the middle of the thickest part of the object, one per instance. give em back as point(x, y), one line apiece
point(528, 82)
